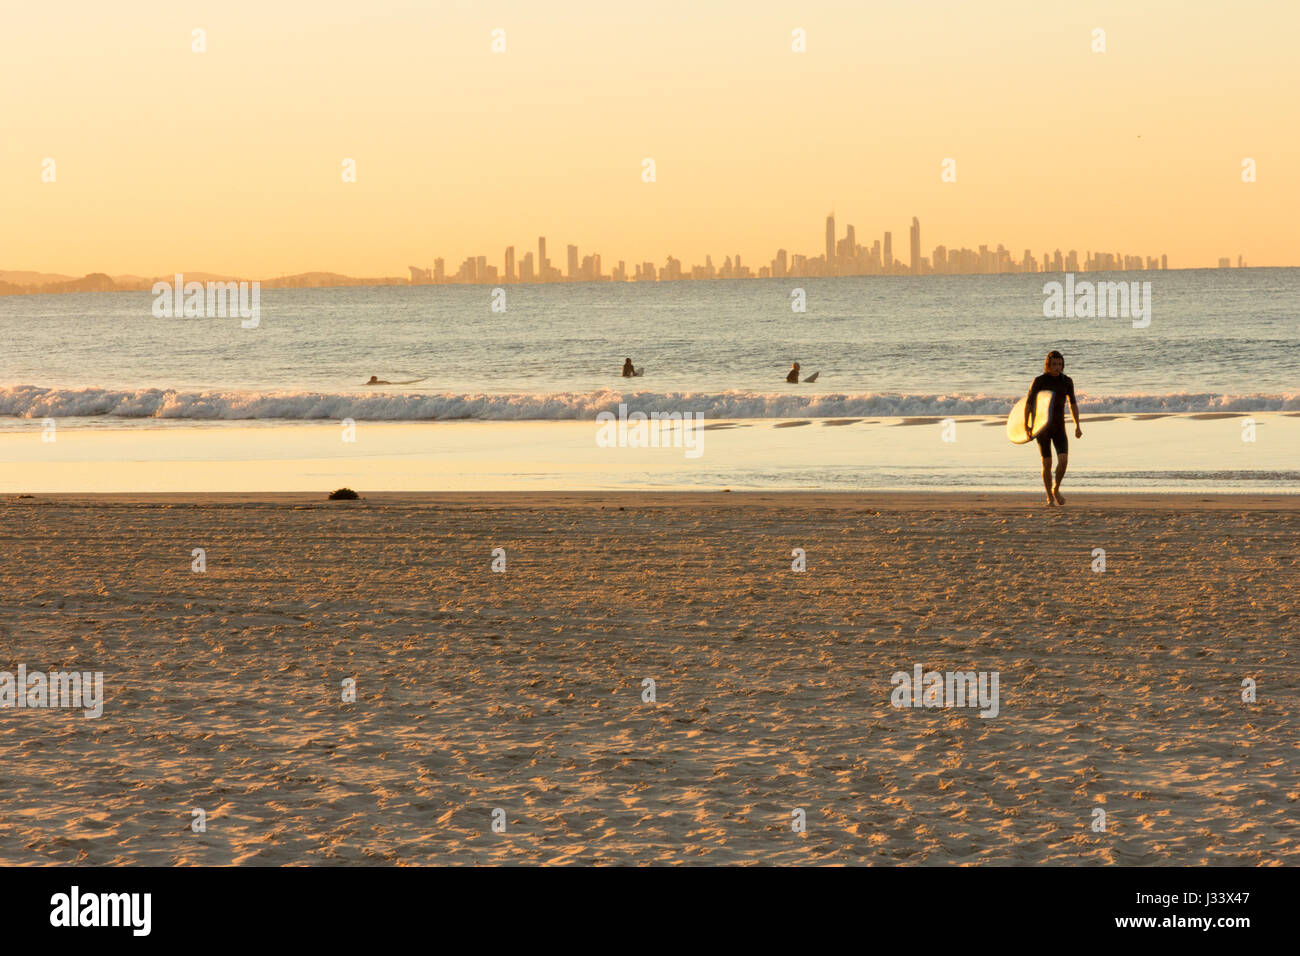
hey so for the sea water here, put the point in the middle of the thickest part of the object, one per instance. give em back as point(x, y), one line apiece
point(892, 350)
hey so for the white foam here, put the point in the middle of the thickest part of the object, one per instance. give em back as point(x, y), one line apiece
point(28, 401)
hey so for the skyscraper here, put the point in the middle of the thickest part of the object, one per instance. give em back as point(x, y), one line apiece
point(916, 246)
point(573, 262)
point(887, 254)
point(510, 263)
point(830, 243)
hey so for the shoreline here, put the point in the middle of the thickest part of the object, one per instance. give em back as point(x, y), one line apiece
point(1168, 454)
point(956, 501)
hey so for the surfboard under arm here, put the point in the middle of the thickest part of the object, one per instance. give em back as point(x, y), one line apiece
point(1038, 420)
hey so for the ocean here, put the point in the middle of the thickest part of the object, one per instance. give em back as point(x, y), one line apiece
point(1218, 340)
point(889, 350)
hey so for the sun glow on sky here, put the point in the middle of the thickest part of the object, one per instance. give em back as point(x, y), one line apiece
point(229, 160)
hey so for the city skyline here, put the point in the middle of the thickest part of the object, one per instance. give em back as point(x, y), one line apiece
point(842, 256)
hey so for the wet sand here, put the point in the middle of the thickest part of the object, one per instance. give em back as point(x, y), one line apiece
point(1174, 453)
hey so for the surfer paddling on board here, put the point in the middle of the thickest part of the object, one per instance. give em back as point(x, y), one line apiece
point(1061, 386)
point(376, 380)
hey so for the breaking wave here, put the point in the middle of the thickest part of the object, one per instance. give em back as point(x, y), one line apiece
point(28, 401)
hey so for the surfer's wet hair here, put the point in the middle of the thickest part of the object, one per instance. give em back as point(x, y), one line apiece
point(1047, 362)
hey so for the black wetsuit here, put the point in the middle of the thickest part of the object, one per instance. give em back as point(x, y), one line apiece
point(793, 377)
point(1060, 386)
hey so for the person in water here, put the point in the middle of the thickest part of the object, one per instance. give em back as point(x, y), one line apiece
point(376, 380)
point(793, 377)
point(1061, 386)
point(628, 370)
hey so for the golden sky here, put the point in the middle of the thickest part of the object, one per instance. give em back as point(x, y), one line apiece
point(230, 160)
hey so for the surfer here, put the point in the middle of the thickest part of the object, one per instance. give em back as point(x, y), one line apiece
point(628, 370)
point(376, 380)
point(1062, 387)
point(793, 377)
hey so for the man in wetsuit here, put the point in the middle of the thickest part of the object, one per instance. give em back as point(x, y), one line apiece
point(1062, 387)
point(793, 377)
point(628, 370)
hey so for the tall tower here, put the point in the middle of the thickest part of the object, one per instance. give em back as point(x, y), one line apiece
point(542, 263)
point(830, 243)
point(916, 246)
point(510, 263)
point(887, 254)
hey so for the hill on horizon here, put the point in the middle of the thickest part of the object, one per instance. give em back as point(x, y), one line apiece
point(20, 282)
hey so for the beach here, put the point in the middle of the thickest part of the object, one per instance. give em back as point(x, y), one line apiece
point(524, 690)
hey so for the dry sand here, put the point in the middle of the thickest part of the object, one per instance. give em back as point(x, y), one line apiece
point(523, 690)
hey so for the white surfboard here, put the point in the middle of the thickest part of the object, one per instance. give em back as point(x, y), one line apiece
point(1040, 419)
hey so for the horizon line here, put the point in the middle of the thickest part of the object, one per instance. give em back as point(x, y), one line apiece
point(59, 287)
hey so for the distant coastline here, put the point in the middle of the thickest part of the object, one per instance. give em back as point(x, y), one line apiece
point(44, 283)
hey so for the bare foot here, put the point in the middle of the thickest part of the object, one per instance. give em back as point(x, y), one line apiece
point(1050, 502)
point(1057, 491)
